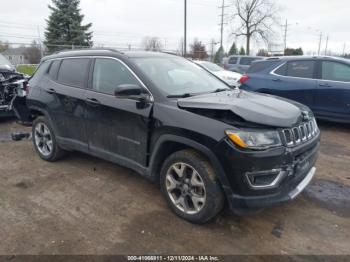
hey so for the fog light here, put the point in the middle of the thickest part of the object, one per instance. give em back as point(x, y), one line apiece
point(265, 179)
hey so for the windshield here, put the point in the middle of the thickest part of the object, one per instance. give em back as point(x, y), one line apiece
point(212, 67)
point(177, 76)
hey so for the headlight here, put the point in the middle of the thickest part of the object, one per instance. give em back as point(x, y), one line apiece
point(254, 139)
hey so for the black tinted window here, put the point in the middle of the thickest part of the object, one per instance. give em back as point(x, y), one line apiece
point(247, 60)
point(43, 67)
point(73, 71)
point(233, 60)
point(304, 69)
point(335, 71)
point(54, 69)
point(109, 74)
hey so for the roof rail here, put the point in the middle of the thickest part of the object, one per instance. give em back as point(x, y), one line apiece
point(87, 49)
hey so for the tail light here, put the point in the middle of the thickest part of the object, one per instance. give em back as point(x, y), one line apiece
point(26, 86)
point(243, 79)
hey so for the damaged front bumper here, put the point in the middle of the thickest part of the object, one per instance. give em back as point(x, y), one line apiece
point(263, 179)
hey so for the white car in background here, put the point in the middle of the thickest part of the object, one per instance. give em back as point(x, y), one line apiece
point(229, 77)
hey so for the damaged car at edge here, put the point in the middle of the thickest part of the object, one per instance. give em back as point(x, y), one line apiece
point(13, 90)
point(177, 124)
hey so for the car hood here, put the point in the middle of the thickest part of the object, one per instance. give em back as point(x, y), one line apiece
point(252, 107)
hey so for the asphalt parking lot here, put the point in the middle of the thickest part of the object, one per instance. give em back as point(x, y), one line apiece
point(84, 205)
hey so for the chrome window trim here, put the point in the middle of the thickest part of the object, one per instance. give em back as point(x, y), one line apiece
point(273, 72)
point(114, 58)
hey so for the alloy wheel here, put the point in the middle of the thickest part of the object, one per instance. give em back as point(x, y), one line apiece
point(43, 139)
point(185, 188)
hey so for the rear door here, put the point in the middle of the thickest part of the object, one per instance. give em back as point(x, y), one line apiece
point(333, 91)
point(294, 80)
point(65, 99)
point(117, 128)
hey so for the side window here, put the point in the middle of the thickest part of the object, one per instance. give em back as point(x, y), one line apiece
point(335, 71)
point(54, 69)
point(303, 69)
point(282, 71)
point(246, 60)
point(73, 71)
point(42, 69)
point(110, 73)
point(233, 60)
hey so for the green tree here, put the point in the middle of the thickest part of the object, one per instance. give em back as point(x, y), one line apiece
point(293, 51)
point(65, 28)
point(263, 52)
point(233, 49)
point(219, 55)
point(242, 51)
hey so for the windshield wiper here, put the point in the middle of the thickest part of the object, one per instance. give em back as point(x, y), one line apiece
point(180, 96)
point(221, 90)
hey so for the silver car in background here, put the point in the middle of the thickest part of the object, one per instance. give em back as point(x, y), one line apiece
point(239, 63)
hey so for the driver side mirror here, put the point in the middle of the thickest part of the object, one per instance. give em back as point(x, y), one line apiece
point(130, 91)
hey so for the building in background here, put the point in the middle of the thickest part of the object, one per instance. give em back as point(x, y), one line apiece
point(16, 55)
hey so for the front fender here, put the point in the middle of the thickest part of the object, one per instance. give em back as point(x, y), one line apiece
point(188, 143)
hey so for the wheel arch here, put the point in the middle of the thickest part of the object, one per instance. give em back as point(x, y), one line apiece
point(168, 144)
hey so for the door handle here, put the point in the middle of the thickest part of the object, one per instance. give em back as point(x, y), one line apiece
point(276, 79)
point(92, 101)
point(324, 84)
point(50, 91)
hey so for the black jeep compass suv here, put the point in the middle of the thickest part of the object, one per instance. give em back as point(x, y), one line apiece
point(177, 124)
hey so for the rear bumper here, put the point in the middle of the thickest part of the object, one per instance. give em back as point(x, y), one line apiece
point(257, 202)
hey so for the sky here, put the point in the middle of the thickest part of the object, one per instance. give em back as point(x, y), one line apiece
point(119, 23)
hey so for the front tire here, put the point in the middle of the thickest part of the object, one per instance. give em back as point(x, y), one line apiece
point(44, 140)
point(190, 186)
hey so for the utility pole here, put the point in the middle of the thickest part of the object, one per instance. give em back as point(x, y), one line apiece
point(185, 28)
point(285, 36)
point(319, 44)
point(325, 50)
point(40, 43)
point(222, 21)
point(344, 49)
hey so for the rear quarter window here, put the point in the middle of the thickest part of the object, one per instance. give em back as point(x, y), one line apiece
point(54, 69)
point(42, 69)
point(260, 66)
point(73, 71)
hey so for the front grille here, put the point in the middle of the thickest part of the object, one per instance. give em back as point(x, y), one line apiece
point(297, 135)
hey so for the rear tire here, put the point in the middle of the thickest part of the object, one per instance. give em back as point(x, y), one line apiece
point(190, 186)
point(44, 140)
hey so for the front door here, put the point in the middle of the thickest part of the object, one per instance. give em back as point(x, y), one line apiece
point(117, 128)
point(333, 92)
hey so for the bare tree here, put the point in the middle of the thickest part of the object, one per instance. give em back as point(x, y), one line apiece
point(198, 50)
point(152, 44)
point(33, 54)
point(255, 18)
